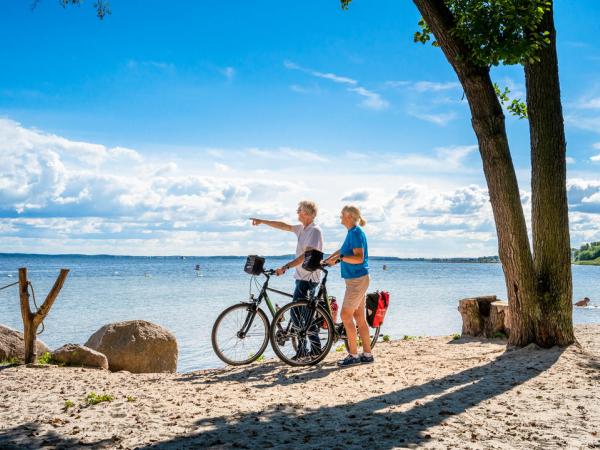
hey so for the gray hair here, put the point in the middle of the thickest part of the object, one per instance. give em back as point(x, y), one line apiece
point(308, 207)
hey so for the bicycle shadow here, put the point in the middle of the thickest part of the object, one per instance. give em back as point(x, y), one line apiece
point(264, 375)
point(375, 419)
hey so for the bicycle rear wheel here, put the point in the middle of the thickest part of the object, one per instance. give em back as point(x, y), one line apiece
point(299, 339)
point(240, 334)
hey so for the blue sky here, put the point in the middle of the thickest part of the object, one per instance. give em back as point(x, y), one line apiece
point(160, 129)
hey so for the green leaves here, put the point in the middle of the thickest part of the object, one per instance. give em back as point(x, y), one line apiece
point(515, 106)
point(496, 31)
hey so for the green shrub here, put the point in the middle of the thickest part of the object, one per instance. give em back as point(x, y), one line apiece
point(9, 361)
point(386, 338)
point(45, 358)
point(455, 336)
point(93, 399)
point(68, 404)
point(131, 398)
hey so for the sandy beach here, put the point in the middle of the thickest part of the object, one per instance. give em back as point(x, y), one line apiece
point(431, 392)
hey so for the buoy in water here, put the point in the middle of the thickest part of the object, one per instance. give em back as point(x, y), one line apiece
point(385, 267)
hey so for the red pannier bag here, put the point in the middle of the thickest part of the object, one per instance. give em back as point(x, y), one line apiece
point(377, 304)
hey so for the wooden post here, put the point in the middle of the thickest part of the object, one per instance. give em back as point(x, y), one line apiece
point(31, 321)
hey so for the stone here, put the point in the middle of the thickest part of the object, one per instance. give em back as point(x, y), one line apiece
point(12, 344)
point(79, 355)
point(583, 302)
point(136, 346)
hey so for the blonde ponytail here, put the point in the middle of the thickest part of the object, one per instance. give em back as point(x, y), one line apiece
point(354, 212)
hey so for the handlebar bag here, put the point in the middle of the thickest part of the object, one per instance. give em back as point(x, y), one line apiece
point(312, 260)
point(254, 265)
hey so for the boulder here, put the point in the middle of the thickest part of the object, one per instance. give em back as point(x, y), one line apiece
point(12, 344)
point(79, 355)
point(136, 346)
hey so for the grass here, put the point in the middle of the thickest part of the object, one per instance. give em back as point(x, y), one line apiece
point(386, 338)
point(592, 262)
point(93, 399)
point(409, 338)
point(456, 336)
point(131, 398)
point(45, 358)
point(68, 404)
point(340, 348)
point(498, 335)
point(9, 361)
point(261, 358)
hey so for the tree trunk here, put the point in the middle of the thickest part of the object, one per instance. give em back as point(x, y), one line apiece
point(549, 214)
point(488, 123)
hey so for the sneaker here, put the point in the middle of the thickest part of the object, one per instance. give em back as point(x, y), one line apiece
point(366, 359)
point(349, 361)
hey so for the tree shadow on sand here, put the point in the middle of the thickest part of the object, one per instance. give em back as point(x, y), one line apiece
point(29, 436)
point(377, 419)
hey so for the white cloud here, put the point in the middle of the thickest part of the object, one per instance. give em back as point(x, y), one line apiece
point(441, 119)
point(595, 158)
point(372, 99)
point(52, 200)
point(229, 73)
point(425, 86)
point(570, 160)
point(589, 103)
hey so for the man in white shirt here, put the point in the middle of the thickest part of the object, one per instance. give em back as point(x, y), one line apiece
point(309, 237)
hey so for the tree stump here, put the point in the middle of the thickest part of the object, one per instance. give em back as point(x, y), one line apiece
point(484, 316)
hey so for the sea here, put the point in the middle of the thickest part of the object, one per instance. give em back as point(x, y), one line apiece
point(171, 292)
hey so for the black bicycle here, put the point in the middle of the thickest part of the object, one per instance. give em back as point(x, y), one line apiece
point(240, 334)
point(308, 325)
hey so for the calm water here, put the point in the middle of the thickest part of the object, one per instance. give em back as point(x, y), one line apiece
point(167, 291)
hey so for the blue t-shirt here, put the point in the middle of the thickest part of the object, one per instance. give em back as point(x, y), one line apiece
point(355, 239)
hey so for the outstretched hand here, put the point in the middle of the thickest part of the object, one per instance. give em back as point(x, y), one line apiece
point(280, 271)
point(255, 221)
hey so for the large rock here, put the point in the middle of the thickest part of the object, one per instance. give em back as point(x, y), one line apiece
point(136, 346)
point(79, 355)
point(13, 346)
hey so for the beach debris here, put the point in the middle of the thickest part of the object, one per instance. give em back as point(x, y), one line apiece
point(79, 355)
point(137, 346)
point(583, 302)
point(12, 345)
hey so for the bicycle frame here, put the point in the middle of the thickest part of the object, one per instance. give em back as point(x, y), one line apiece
point(256, 302)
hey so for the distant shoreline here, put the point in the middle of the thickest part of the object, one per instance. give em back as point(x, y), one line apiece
point(479, 260)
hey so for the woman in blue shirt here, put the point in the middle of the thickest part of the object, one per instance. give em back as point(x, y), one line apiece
point(354, 257)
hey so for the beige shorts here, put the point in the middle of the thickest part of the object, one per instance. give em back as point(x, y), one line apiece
point(356, 290)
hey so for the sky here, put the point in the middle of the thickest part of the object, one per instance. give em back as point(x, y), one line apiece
point(163, 128)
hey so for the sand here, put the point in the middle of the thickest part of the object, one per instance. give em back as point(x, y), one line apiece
point(431, 392)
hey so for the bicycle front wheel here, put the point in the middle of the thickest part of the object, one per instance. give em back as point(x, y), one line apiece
point(240, 334)
point(301, 333)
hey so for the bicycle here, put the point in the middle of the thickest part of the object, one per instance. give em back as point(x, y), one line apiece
point(308, 321)
point(237, 337)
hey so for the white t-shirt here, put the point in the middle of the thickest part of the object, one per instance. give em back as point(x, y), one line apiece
point(308, 237)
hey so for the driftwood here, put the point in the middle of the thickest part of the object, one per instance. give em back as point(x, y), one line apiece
point(484, 316)
point(31, 320)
